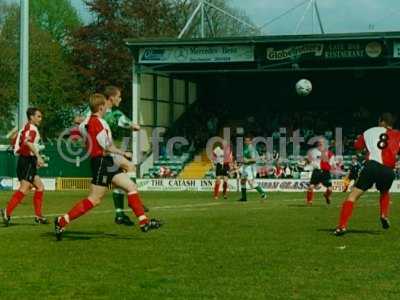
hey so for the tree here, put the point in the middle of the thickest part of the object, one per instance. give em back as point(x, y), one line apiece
point(59, 18)
point(99, 51)
point(53, 82)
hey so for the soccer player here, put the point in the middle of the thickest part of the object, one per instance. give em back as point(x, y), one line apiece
point(248, 170)
point(382, 144)
point(117, 120)
point(353, 173)
point(27, 147)
point(222, 160)
point(322, 160)
point(104, 172)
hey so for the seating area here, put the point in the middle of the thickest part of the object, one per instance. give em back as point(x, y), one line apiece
point(168, 167)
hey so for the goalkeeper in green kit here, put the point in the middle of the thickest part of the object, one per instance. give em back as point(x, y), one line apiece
point(116, 119)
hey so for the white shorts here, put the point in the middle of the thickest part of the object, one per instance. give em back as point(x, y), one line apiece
point(248, 172)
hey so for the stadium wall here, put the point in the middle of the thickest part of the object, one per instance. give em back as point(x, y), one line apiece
point(178, 185)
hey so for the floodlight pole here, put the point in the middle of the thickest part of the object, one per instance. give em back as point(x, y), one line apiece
point(24, 64)
point(136, 81)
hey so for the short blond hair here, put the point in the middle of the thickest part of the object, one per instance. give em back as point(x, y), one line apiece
point(95, 101)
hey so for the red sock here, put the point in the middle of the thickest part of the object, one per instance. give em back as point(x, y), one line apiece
point(310, 196)
point(136, 204)
point(78, 210)
point(37, 203)
point(216, 188)
point(224, 187)
point(347, 210)
point(384, 203)
point(328, 193)
point(13, 203)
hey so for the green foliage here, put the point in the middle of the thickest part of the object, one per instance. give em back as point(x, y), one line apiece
point(53, 82)
point(58, 17)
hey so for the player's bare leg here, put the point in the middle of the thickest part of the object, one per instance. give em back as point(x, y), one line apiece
point(346, 184)
point(225, 187)
point(347, 210)
point(38, 201)
point(327, 195)
point(95, 197)
point(118, 194)
point(384, 202)
point(123, 181)
point(310, 194)
point(216, 187)
point(15, 200)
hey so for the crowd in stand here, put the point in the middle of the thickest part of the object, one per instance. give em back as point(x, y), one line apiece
point(198, 126)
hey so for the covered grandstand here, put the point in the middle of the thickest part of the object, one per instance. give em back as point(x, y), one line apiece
point(249, 82)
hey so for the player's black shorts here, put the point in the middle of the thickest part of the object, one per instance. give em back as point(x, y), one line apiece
point(26, 168)
point(222, 170)
point(103, 170)
point(375, 173)
point(353, 176)
point(320, 176)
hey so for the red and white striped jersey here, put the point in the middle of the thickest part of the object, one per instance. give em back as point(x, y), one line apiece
point(99, 136)
point(323, 160)
point(30, 134)
point(382, 145)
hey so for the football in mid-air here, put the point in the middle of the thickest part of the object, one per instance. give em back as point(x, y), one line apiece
point(303, 87)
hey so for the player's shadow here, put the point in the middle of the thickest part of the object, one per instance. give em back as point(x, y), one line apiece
point(88, 235)
point(354, 231)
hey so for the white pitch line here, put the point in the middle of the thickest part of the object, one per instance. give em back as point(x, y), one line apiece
point(184, 206)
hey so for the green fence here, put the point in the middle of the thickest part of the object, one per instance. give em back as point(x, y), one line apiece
point(68, 166)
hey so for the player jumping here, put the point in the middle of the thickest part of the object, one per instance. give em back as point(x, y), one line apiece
point(26, 146)
point(104, 172)
point(382, 144)
point(322, 161)
point(248, 170)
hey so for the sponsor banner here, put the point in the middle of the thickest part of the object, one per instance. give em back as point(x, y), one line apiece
point(8, 184)
point(396, 49)
point(206, 185)
point(329, 51)
point(353, 50)
point(197, 54)
point(282, 53)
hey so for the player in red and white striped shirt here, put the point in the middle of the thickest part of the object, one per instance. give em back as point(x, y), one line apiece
point(382, 144)
point(26, 147)
point(104, 172)
point(222, 158)
point(322, 160)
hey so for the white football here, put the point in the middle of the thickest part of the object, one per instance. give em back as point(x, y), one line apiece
point(303, 87)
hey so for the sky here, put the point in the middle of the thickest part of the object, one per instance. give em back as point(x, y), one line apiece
point(337, 15)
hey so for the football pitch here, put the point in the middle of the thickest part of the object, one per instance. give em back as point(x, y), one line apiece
point(207, 249)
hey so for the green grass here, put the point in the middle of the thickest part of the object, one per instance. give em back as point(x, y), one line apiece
point(207, 249)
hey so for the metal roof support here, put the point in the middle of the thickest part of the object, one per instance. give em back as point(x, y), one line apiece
point(318, 17)
point(201, 7)
point(310, 5)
